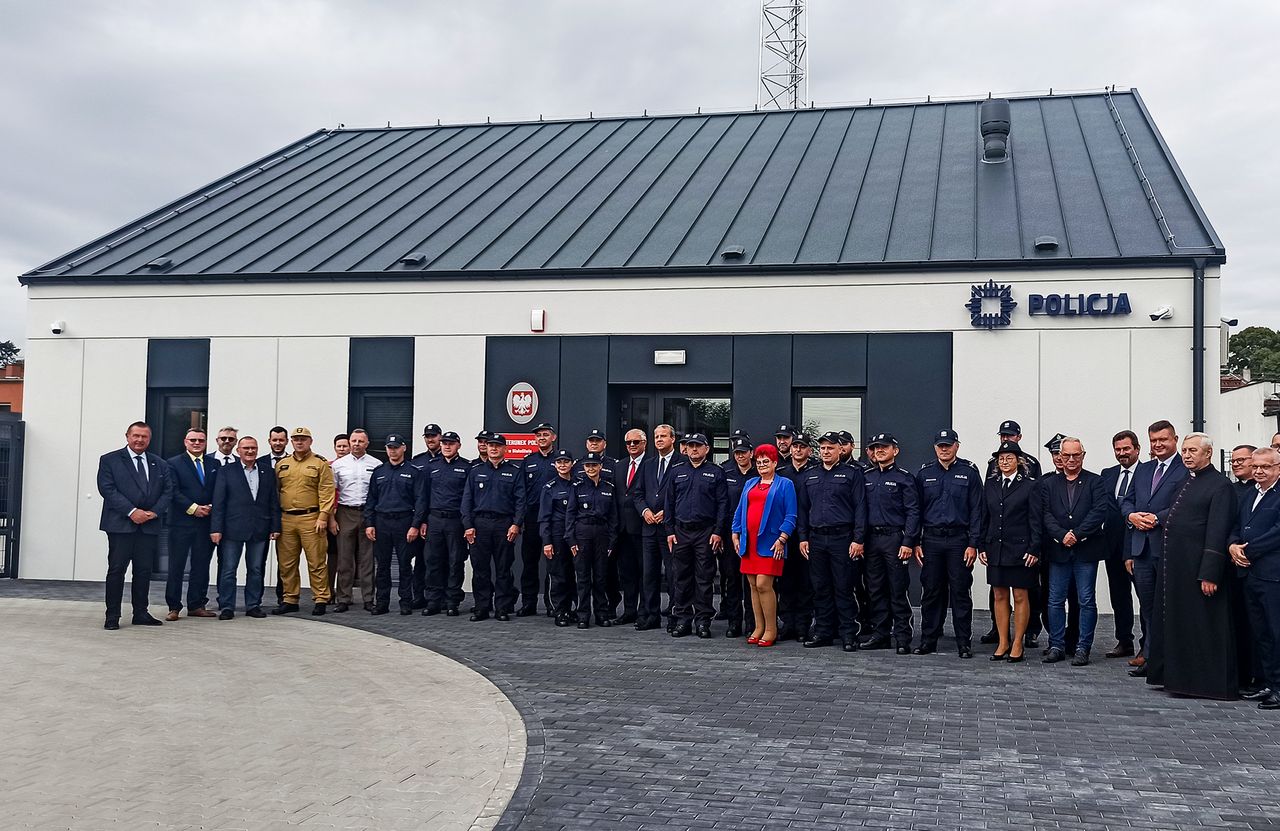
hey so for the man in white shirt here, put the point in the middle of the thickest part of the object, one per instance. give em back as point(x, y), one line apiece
point(1118, 481)
point(351, 475)
point(225, 452)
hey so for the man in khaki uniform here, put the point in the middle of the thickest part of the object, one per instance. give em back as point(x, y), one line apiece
point(306, 503)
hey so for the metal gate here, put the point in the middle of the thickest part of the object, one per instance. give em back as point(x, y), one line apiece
point(11, 433)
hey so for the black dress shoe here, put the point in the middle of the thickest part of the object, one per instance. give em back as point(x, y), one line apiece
point(1138, 672)
point(406, 610)
point(146, 620)
point(850, 645)
point(817, 643)
point(285, 608)
point(786, 633)
point(802, 634)
point(682, 630)
point(991, 637)
point(502, 616)
point(1255, 693)
point(563, 621)
point(1080, 659)
point(582, 624)
point(924, 649)
point(1030, 642)
point(379, 610)
point(255, 612)
point(226, 614)
point(904, 650)
point(526, 611)
point(111, 625)
point(876, 642)
point(319, 609)
point(429, 612)
point(646, 625)
point(624, 619)
point(604, 621)
point(733, 631)
point(368, 605)
point(1121, 650)
point(965, 652)
point(479, 616)
point(451, 612)
point(1271, 702)
point(1053, 656)
point(704, 630)
point(671, 626)
point(342, 607)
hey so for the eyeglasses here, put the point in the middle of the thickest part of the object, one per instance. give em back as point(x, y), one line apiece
point(634, 441)
point(1257, 466)
point(1235, 462)
point(196, 441)
point(1071, 455)
point(226, 438)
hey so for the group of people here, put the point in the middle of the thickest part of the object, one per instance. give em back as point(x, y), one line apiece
point(812, 548)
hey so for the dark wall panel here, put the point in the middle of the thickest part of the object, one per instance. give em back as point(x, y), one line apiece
point(708, 359)
point(761, 384)
point(909, 390)
point(177, 362)
point(584, 387)
point(509, 360)
point(829, 360)
point(381, 362)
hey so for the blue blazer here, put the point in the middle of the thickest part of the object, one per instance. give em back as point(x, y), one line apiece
point(1139, 544)
point(236, 514)
point(779, 514)
point(1261, 529)
point(188, 490)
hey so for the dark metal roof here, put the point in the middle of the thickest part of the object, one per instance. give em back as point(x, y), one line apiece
point(847, 188)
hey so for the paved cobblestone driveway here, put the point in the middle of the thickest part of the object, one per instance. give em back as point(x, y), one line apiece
point(634, 731)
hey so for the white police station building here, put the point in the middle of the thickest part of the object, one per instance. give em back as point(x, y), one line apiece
point(879, 268)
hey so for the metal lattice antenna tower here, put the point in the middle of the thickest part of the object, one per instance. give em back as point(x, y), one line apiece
point(784, 55)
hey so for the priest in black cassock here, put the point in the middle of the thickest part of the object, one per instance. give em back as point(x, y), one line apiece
point(1195, 652)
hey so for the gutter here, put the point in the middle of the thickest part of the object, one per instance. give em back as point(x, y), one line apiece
point(1197, 345)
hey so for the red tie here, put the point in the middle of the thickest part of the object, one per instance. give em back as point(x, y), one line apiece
point(631, 474)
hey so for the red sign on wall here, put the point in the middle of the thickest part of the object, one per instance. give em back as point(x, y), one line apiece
point(520, 445)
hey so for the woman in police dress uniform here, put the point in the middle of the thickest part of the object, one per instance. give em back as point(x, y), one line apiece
point(1010, 548)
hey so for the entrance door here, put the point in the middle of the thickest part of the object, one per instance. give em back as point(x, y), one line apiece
point(697, 410)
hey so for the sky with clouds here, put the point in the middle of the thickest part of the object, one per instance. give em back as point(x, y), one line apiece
point(111, 109)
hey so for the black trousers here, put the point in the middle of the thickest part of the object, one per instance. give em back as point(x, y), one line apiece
point(590, 569)
point(834, 576)
point(945, 579)
point(559, 573)
point(655, 561)
point(625, 565)
point(188, 543)
point(795, 591)
point(694, 575)
point(888, 579)
point(446, 556)
point(136, 549)
point(1120, 586)
point(391, 543)
point(1248, 658)
point(732, 584)
point(418, 561)
point(1262, 599)
point(492, 583)
point(531, 543)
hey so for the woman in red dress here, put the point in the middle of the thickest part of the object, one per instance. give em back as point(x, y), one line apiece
point(765, 518)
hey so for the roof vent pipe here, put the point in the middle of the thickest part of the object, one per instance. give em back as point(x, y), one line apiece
point(993, 120)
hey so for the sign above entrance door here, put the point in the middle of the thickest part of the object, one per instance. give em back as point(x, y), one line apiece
point(522, 402)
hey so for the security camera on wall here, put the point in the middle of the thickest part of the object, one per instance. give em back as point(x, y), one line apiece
point(58, 327)
point(1163, 313)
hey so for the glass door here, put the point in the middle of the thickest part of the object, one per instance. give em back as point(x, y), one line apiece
point(686, 410)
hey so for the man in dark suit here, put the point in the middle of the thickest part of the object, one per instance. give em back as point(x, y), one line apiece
point(649, 495)
point(1118, 481)
point(1145, 509)
point(1075, 509)
point(245, 516)
point(626, 550)
point(193, 473)
point(136, 487)
point(1255, 549)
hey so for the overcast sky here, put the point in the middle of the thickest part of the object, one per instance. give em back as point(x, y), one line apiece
point(112, 109)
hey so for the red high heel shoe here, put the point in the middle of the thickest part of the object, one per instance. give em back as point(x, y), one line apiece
point(752, 639)
point(764, 642)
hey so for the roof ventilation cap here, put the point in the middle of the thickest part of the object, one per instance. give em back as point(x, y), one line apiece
point(733, 252)
point(160, 263)
point(414, 258)
point(1047, 243)
point(993, 119)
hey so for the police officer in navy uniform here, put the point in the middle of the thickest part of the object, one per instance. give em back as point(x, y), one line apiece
point(832, 525)
point(553, 502)
point(696, 512)
point(738, 468)
point(846, 447)
point(393, 512)
point(536, 470)
point(951, 507)
point(482, 448)
point(591, 529)
point(492, 508)
point(596, 443)
point(1029, 466)
point(795, 586)
point(418, 550)
point(893, 531)
point(446, 549)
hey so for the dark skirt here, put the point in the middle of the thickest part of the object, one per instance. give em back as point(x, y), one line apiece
point(1013, 577)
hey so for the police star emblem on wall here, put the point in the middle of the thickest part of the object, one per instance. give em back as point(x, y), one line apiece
point(979, 315)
